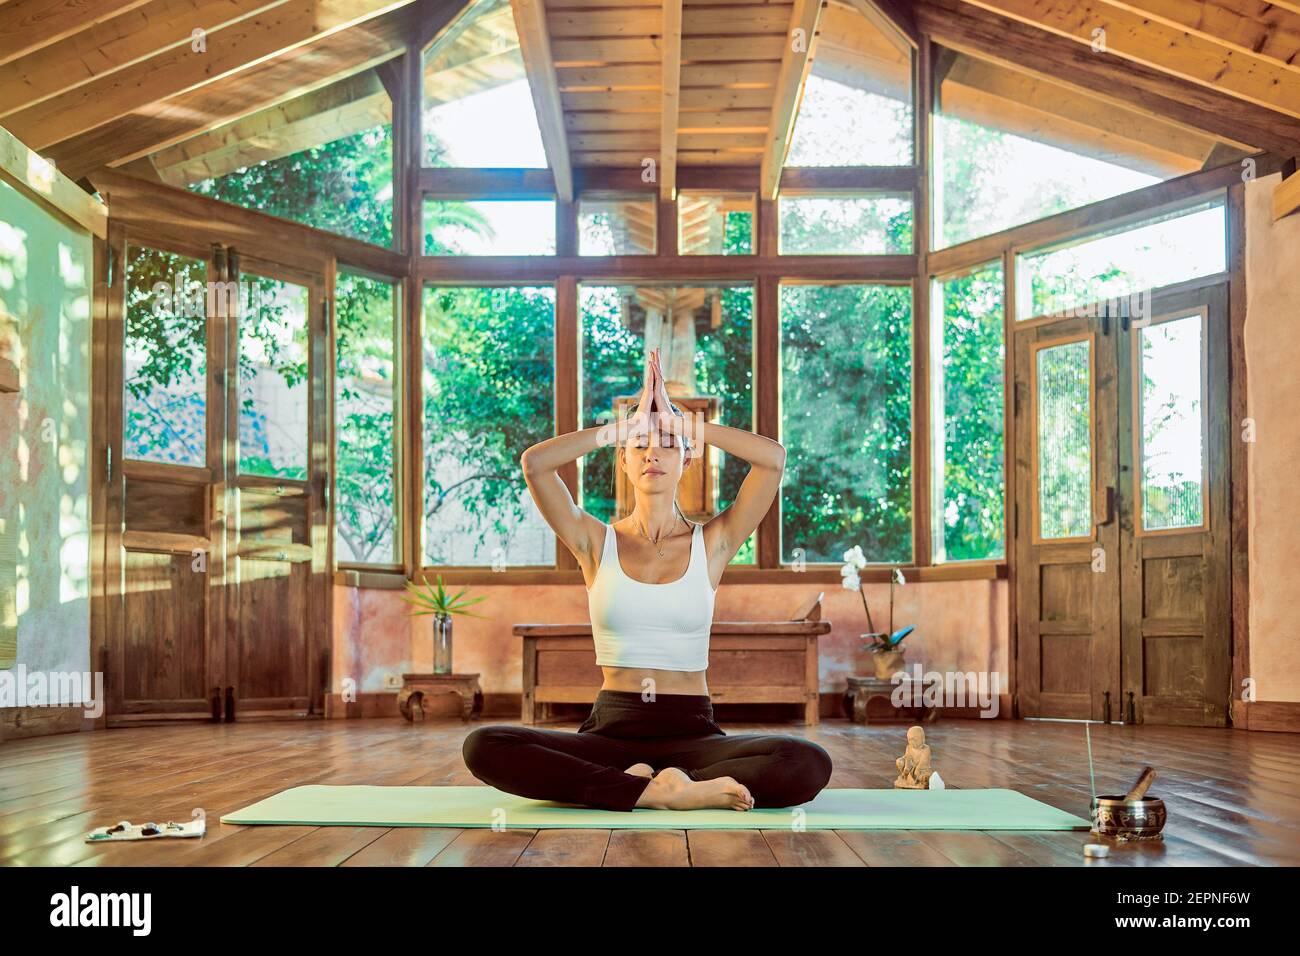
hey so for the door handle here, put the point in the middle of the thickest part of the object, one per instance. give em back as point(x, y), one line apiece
point(1107, 506)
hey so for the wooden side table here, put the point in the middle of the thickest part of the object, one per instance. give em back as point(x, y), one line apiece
point(416, 687)
point(864, 689)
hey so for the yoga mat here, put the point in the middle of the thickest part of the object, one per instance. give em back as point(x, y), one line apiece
point(481, 806)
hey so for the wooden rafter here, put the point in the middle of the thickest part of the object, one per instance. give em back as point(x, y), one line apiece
point(341, 109)
point(670, 98)
point(230, 50)
point(104, 48)
point(1252, 27)
point(970, 29)
point(30, 25)
point(1158, 45)
point(275, 81)
point(796, 59)
point(535, 45)
point(982, 92)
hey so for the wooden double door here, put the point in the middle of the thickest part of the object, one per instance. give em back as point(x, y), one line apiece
point(1122, 512)
point(215, 511)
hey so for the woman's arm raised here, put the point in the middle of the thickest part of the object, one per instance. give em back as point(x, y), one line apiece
point(541, 463)
point(754, 497)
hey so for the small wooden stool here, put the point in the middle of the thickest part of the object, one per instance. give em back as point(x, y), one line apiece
point(864, 689)
point(415, 687)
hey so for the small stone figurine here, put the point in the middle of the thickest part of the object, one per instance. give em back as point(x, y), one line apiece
point(914, 770)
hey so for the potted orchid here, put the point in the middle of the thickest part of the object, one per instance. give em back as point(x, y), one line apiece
point(885, 646)
point(427, 599)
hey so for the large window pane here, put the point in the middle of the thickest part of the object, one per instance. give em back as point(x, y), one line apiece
point(715, 224)
point(273, 405)
point(1133, 259)
point(489, 374)
point(1171, 368)
point(365, 406)
point(705, 334)
point(846, 422)
point(1063, 402)
point(523, 227)
point(616, 226)
point(165, 374)
point(966, 382)
point(838, 225)
point(324, 160)
point(1011, 148)
point(478, 108)
point(856, 108)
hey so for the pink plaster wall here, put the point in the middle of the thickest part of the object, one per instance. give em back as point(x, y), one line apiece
point(1273, 390)
point(961, 625)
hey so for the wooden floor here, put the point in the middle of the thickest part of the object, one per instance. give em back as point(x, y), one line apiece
point(1233, 797)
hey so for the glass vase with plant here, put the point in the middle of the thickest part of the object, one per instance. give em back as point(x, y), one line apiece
point(427, 598)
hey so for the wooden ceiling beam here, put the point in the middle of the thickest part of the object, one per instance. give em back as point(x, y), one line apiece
point(670, 98)
point(968, 29)
point(535, 45)
point(357, 103)
point(30, 25)
point(1246, 26)
point(1151, 43)
point(796, 59)
point(982, 92)
point(230, 50)
point(104, 48)
point(273, 82)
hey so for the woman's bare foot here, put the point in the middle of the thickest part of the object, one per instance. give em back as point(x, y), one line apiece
point(671, 789)
point(641, 770)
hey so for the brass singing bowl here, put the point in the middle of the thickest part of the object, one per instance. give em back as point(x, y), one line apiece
point(1129, 819)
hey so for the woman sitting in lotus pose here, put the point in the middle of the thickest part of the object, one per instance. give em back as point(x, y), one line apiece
point(650, 740)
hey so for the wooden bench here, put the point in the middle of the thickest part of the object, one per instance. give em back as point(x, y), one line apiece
point(750, 662)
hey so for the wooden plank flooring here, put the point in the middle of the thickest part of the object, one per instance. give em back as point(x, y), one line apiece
point(1233, 797)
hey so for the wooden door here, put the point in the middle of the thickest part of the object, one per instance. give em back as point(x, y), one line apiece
point(164, 648)
point(277, 595)
point(1174, 434)
point(1066, 535)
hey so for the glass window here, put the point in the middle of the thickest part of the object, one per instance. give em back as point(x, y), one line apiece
point(715, 224)
point(705, 334)
point(1120, 262)
point(856, 108)
point(478, 107)
point(488, 394)
point(492, 227)
point(324, 159)
point(966, 386)
point(617, 226)
point(1063, 408)
point(846, 225)
point(273, 400)
point(165, 375)
point(1171, 368)
point(1010, 148)
point(365, 416)
point(846, 422)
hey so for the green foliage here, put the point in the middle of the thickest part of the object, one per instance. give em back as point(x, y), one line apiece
point(345, 186)
point(972, 371)
point(428, 599)
point(488, 395)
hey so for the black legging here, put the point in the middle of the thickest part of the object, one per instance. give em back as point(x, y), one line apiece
point(670, 730)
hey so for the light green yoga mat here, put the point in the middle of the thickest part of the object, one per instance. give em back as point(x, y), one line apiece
point(486, 807)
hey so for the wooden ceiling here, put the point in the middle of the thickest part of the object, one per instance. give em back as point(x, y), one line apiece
point(1166, 86)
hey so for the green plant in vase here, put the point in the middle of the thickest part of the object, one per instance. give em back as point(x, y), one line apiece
point(886, 646)
point(427, 599)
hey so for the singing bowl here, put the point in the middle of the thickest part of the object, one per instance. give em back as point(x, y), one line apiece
point(1130, 819)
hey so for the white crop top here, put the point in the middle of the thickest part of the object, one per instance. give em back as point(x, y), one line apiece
point(656, 626)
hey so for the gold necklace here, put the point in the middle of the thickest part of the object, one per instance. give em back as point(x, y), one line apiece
point(661, 537)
